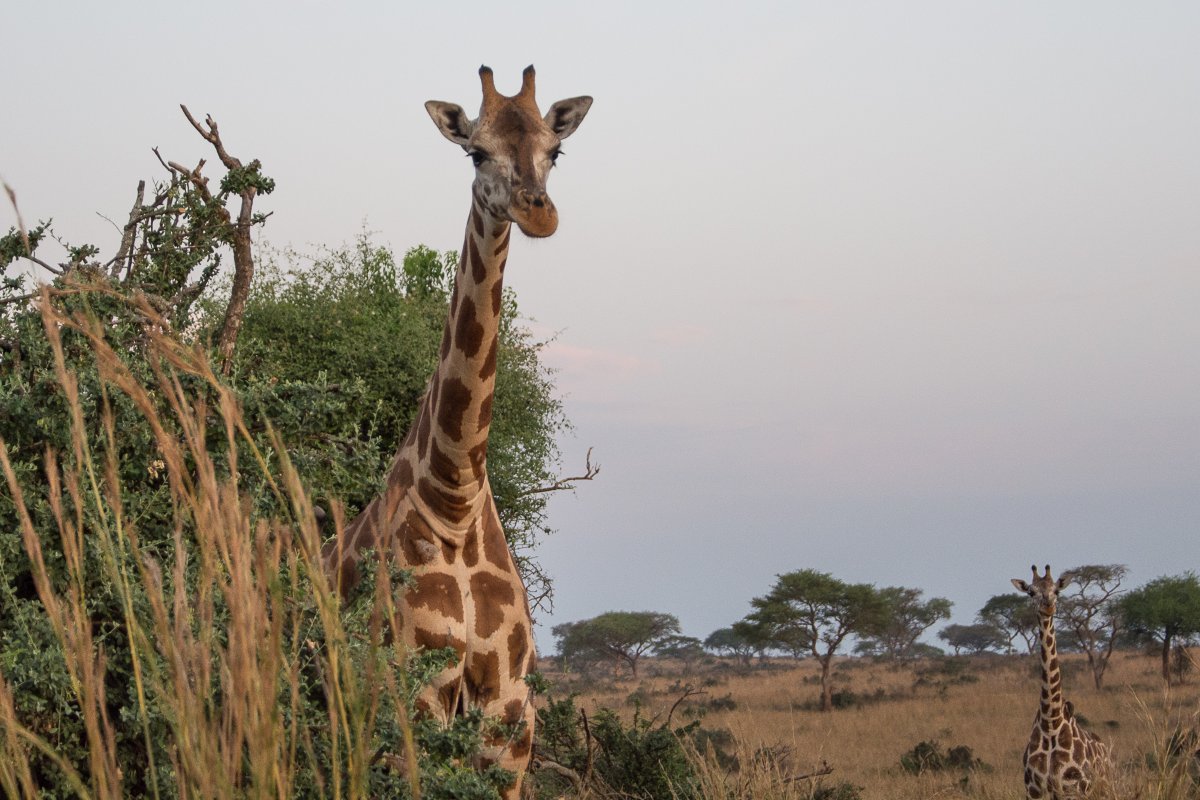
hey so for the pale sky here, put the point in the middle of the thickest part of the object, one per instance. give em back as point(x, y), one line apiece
point(904, 292)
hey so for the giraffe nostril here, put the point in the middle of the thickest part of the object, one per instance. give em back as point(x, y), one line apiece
point(539, 201)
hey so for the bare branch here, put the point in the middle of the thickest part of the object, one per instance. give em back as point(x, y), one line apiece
point(243, 256)
point(213, 137)
point(129, 232)
point(824, 769)
point(688, 691)
point(17, 299)
point(590, 471)
point(12, 198)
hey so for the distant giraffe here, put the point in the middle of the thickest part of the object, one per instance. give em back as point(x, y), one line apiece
point(1062, 760)
point(436, 515)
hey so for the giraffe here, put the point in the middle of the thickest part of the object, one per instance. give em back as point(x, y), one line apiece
point(1062, 760)
point(436, 514)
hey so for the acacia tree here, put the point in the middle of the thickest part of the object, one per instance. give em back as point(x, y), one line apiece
point(1164, 611)
point(977, 638)
point(907, 617)
point(1012, 616)
point(620, 636)
point(1090, 609)
point(731, 641)
point(820, 611)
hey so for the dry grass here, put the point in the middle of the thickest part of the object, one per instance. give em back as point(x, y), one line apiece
point(237, 632)
point(993, 716)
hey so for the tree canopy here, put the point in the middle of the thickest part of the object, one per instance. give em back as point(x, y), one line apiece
point(1089, 609)
point(618, 636)
point(814, 611)
point(1012, 616)
point(906, 617)
point(977, 638)
point(1165, 611)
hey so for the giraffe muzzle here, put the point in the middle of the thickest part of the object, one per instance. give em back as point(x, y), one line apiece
point(534, 213)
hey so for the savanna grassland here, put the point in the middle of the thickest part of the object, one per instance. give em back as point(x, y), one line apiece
point(986, 703)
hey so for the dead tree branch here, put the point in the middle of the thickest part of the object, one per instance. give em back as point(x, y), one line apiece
point(590, 471)
point(824, 769)
point(243, 255)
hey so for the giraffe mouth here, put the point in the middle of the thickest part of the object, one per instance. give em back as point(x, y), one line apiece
point(536, 223)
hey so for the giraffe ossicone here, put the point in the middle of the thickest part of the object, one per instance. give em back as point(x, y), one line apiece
point(436, 515)
point(1062, 760)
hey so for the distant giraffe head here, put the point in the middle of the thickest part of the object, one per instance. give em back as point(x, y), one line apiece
point(1044, 589)
point(513, 147)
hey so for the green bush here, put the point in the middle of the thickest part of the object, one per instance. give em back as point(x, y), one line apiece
point(928, 756)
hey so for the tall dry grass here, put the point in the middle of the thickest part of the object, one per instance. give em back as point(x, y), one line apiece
point(223, 637)
point(991, 710)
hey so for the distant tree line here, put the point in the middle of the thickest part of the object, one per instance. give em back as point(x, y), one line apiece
point(808, 613)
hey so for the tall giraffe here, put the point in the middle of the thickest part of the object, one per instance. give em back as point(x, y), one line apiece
point(1062, 760)
point(437, 515)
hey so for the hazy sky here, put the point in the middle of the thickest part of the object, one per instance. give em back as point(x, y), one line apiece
point(905, 292)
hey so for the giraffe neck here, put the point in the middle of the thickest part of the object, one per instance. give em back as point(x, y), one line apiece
point(456, 415)
point(1052, 696)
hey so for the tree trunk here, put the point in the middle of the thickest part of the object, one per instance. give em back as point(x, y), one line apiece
point(1166, 660)
point(826, 688)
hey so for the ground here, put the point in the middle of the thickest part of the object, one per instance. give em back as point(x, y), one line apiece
point(986, 703)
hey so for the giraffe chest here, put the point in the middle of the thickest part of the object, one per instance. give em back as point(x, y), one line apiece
point(1058, 764)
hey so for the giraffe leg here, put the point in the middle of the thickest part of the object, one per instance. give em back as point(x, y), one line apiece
point(511, 745)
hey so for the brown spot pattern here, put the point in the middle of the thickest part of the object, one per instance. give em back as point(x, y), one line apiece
point(439, 593)
point(441, 464)
point(491, 596)
point(444, 504)
point(468, 332)
point(522, 744)
point(485, 413)
point(514, 710)
point(516, 649)
point(503, 245)
point(478, 269)
point(471, 546)
point(482, 675)
point(495, 548)
point(435, 641)
point(489, 362)
point(454, 399)
point(497, 296)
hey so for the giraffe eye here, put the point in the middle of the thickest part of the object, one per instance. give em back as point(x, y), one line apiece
point(478, 157)
point(554, 154)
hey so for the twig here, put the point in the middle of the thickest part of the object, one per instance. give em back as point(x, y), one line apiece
point(590, 471)
point(19, 298)
point(824, 769)
point(688, 691)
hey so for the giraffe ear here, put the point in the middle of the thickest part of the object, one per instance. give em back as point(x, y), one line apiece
point(565, 115)
point(451, 120)
point(1065, 579)
point(1022, 585)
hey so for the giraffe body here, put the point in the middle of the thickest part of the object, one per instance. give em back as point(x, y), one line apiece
point(437, 515)
point(1062, 761)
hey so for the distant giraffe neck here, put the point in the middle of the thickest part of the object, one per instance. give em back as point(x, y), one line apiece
point(1052, 695)
point(452, 434)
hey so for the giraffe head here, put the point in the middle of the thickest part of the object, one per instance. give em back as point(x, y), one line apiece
point(513, 147)
point(1044, 588)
